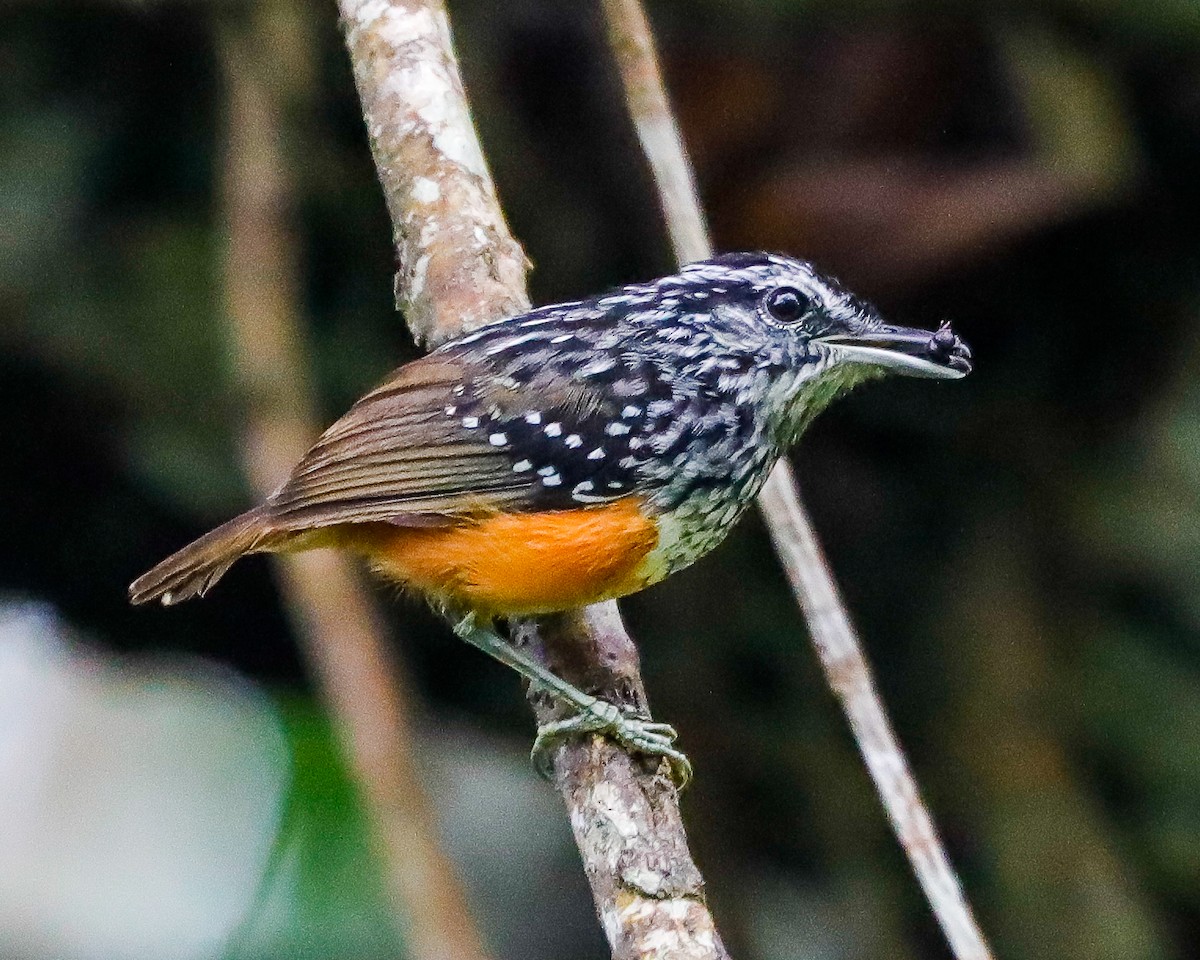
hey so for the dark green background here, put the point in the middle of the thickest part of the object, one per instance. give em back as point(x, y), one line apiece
point(1020, 549)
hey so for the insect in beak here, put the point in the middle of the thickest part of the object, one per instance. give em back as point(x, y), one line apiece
point(905, 350)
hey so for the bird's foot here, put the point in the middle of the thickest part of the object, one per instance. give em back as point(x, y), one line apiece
point(633, 733)
point(592, 715)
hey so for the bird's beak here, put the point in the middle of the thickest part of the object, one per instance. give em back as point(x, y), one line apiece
point(916, 353)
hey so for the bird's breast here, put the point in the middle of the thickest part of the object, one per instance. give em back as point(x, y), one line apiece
point(517, 564)
point(693, 528)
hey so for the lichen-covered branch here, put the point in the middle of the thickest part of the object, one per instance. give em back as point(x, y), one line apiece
point(624, 814)
point(837, 644)
point(460, 267)
point(334, 618)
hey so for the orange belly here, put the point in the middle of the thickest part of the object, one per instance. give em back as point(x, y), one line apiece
point(521, 563)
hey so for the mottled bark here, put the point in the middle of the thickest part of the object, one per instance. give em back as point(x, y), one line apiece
point(458, 265)
point(624, 810)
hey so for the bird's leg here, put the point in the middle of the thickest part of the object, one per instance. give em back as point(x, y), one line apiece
point(592, 714)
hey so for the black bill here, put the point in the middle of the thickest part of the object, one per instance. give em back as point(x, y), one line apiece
point(936, 354)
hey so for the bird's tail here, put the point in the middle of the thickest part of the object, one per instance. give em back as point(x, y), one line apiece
point(191, 571)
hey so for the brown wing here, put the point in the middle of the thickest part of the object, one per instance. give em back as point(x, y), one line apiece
point(410, 452)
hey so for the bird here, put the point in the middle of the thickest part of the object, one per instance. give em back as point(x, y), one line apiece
point(575, 453)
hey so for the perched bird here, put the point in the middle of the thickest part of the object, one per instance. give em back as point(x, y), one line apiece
point(575, 453)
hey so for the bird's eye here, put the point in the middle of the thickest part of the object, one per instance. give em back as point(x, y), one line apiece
point(787, 304)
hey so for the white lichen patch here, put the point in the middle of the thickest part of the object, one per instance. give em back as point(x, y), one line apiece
point(638, 910)
point(408, 26)
point(364, 13)
point(579, 819)
point(650, 882)
point(659, 943)
point(416, 284)
point(676, 909)
point(609, 801)
point(428, 89)
point(425, 190)
point(610, 919)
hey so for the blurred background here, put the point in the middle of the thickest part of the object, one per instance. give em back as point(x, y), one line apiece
point(1019, 549)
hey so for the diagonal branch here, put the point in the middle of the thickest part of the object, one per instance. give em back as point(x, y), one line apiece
point(813, 585)
point(460, 267)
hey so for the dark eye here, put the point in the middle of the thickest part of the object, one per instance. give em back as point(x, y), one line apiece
point(787, 304)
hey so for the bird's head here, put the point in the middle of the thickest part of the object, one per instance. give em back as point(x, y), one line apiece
point(818, 339)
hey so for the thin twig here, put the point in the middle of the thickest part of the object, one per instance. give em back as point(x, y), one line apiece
point(459, 267)
point(632, 42)
point(834, 637)
point(849, 676)
point(342, 636)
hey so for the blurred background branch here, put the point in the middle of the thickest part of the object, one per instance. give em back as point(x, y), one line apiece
point(333, 616)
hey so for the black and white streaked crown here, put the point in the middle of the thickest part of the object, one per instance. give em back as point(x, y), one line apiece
point(695, 289)
point(737, 276)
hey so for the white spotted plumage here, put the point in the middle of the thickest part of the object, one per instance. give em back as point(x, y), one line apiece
point(688, 394)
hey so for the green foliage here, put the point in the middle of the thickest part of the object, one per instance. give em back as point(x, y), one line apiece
point(322, 895)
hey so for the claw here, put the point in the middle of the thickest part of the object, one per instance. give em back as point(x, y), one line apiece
point(465, 626)
point(592, 716)
point(636, 735)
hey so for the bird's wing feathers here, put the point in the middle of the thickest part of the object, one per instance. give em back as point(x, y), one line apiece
point(398, 455)
point(427, 446)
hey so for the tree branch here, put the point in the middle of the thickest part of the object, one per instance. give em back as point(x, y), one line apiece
point(838, 647)
point(334, 618)
point(460, 267)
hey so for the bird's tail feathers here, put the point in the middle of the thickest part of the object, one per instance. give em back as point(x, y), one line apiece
point(190, 572)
